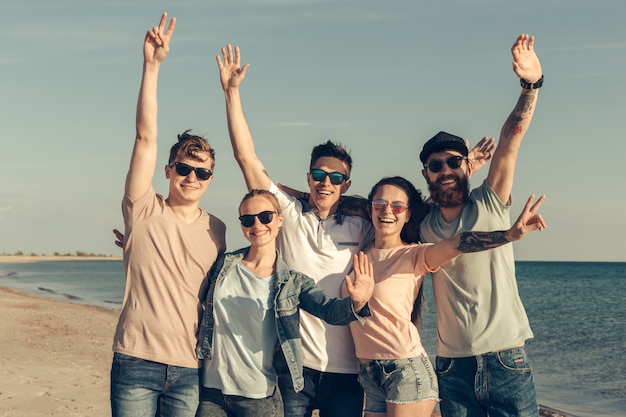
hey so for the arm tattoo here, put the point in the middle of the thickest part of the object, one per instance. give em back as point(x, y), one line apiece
point(525, 102)
point(522, 108)
point(480, 241)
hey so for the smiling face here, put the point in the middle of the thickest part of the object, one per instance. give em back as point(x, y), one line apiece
point(260, 234)
point(325, 195)
point(188, 189)
point(388, 224)
point(448, 187)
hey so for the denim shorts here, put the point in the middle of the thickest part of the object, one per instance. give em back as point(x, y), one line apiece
point(397, 381)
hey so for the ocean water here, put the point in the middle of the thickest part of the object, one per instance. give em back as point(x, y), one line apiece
point(577, 311)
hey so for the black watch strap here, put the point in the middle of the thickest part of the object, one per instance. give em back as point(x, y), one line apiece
point(533, 86)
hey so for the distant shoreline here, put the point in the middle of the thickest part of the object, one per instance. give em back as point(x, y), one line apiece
point(19, 259)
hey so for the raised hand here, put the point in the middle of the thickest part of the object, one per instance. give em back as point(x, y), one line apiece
point(363, 286)
point(156, 45)
point(231, 72)
point(525, 62)
point(119, 238)
point(528, 221)
point(480, 154)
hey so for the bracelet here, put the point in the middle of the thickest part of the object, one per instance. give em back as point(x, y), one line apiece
point(533, 86)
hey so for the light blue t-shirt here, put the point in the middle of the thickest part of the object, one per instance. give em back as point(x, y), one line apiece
point(245, 336)
point(478, 306)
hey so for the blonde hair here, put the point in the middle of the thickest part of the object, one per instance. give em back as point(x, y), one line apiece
point(262, 193)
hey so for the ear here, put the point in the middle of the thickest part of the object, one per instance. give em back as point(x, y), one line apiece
point(167, 171)
point(279, 220)
point(346, 184)
point(425, 175)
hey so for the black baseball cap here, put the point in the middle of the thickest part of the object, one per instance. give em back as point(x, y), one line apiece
point(441, 142)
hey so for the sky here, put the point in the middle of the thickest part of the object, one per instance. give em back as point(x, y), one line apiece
point(380, 77)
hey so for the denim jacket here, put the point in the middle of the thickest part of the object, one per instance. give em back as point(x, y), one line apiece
point(293, 291)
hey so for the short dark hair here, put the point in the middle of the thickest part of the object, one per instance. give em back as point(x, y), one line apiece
point(333, 150)
point(188, 146)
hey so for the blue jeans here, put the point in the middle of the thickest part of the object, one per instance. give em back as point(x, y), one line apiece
point(335, 395)
point(142, 388)
point(498, 384)
point(215, 404)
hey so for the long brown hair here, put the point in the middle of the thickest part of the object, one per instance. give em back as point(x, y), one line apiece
point(411, 230)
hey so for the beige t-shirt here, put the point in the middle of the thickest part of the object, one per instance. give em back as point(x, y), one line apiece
point(389, 332)
point(165, 262)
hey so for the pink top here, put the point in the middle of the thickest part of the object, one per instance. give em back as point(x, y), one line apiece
point(389, 332)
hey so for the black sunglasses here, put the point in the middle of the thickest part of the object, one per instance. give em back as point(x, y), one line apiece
point(265, 217)
point(336, 178)
point(183, 170)
point(436, 165)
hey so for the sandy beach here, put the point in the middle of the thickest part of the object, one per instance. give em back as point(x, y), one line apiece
point(54, 357)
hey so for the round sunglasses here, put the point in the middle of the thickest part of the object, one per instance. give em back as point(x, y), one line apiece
point(265, 217)
point(336, 178)
point(183, 170)
point(397, 207)
point(436, 165)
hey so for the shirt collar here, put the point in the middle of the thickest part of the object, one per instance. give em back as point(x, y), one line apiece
point(306, 207)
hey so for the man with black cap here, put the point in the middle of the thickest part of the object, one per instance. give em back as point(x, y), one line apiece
point(481, 323)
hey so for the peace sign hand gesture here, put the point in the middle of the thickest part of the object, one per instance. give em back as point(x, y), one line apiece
point(528, 221)
point(156, 45)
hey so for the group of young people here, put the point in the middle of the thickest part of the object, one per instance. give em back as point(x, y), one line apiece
point(320, 311)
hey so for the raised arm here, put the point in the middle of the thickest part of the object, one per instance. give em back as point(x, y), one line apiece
point(527, 67)
point(231, 76)
point(467, 242)
point(143, 160)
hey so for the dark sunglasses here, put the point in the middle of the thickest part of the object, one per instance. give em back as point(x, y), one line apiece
point(183, 170)
point(397, 207)
point(336, 178)
point(265, 217)
point(436, 165)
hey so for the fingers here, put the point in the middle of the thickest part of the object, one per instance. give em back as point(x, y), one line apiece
point(541, 224)
point(532, 208)
point(362, 265)
point(158, 33)
point(535, 221)
point(170, 28)
point(237, 57)
point(163, 21)
point(479, 144)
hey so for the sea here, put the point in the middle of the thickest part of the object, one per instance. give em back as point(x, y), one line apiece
point(577, 311)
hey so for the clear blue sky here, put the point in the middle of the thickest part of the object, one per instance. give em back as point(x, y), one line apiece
point(381, 77)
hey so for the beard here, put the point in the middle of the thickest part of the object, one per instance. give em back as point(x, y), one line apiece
point(449, 197)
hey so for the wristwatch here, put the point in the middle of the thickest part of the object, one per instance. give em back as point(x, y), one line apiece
point(533, 86)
